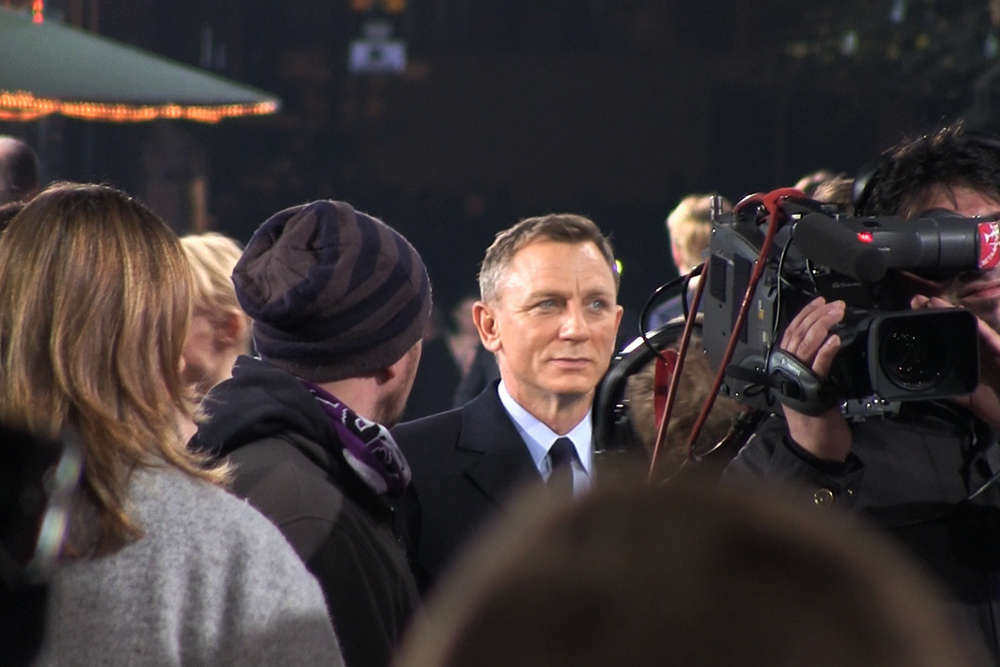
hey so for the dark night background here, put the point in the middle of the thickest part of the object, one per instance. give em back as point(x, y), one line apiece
point(509, 108)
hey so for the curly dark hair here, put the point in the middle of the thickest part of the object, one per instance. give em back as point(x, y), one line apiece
point(903, 181)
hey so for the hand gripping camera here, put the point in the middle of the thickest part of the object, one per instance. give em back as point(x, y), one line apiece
point(775, 253)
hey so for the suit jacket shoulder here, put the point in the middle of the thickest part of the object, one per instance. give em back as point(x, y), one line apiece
point(466, 463)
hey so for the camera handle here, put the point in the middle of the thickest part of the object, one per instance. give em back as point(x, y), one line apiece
point(799, 388)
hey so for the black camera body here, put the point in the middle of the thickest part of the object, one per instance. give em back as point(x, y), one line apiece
point(889, 352)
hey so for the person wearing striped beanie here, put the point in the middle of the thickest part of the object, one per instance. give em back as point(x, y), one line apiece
point(339, 302)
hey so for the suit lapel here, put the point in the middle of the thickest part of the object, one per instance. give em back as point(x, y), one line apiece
point(504, 462)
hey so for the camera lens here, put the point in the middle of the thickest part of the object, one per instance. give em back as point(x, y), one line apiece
point(913, 352)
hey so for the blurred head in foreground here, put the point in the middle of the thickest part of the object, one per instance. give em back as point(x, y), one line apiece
point(679, 575)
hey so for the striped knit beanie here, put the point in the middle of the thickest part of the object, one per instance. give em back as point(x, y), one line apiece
point(333, 293)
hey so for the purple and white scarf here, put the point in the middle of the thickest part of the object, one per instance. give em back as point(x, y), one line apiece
point(368, 447)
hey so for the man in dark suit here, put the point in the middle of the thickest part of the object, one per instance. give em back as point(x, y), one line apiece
point(549, 313)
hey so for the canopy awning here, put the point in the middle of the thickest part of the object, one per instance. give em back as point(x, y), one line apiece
point(51, 67)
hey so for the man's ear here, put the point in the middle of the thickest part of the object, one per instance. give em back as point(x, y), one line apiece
point(487, 325)
point(384, 375)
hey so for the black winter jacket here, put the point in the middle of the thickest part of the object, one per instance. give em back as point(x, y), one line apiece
point(911, 476)
point(290, 466)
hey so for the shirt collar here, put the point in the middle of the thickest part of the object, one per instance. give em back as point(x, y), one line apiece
point(538, 437)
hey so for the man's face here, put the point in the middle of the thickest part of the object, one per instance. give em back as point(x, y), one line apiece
point(554, 324)
point(976, 291)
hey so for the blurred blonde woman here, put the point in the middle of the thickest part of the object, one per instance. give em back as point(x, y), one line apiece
point(160, 565)
point(220, 330)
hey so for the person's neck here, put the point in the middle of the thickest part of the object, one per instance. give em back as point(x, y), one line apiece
point(561, 413)
point(219, 372)
point(359, 394)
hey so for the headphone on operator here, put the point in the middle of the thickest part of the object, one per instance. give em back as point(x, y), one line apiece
point(613, 429)
point(873, 172)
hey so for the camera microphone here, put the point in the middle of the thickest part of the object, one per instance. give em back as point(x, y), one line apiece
point(827, 241)
point(938, 242)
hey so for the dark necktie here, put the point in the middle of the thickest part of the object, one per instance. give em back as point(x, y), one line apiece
point(561, 456)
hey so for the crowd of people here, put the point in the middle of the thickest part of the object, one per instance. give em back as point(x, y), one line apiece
point(250, 492)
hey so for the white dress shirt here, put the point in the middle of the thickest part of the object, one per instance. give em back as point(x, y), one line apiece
point(538, 438)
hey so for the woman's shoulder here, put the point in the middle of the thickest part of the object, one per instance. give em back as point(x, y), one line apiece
point(174, 503)
point(206, 527)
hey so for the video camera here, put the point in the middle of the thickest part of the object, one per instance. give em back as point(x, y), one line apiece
point(780, 251)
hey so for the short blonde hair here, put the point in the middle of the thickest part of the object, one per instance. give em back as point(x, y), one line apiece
point(835, 190)
point(95, 300)
point(690, 228)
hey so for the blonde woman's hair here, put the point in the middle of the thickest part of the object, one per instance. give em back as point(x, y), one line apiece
point(212, 258)
point(95, 296)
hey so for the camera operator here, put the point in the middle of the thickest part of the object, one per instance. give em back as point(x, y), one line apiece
point(926, 474)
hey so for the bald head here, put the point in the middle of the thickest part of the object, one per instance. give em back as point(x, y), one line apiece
point(18, 170)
